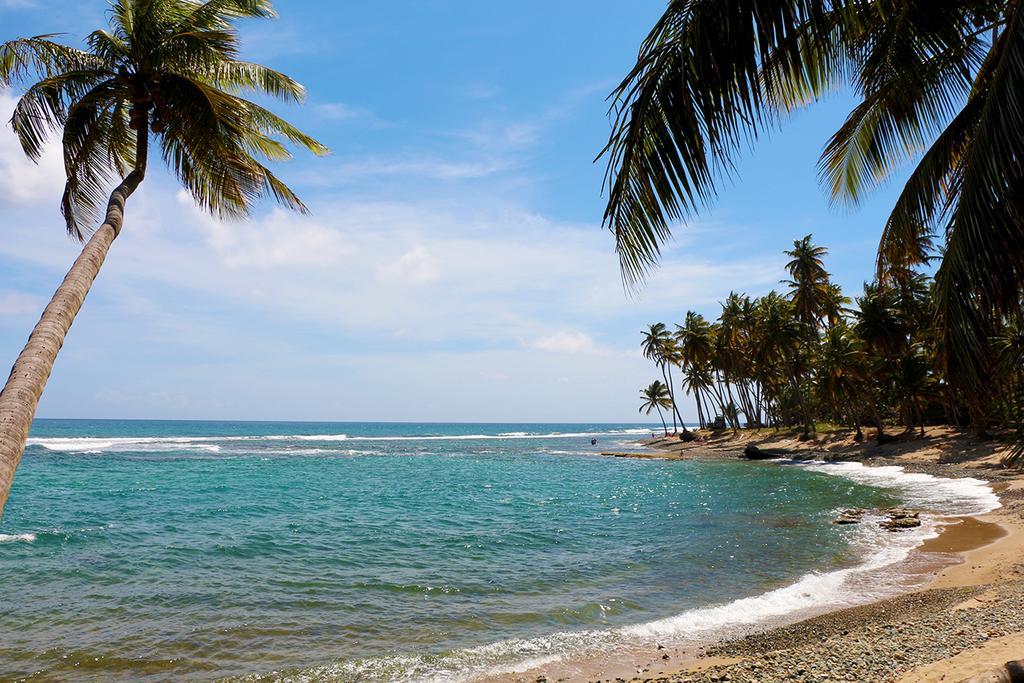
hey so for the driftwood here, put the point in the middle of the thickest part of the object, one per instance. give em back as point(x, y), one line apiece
point(1011, 672)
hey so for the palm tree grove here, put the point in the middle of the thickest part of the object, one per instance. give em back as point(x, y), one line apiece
point(810, 357)
point(936, 335)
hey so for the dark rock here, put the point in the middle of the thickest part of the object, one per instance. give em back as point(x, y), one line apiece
point(849, 516)
point(753, 452)
point(900, 523)
point(901, 513)
point(688, 437)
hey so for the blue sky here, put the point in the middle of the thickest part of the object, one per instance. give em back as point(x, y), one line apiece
point(454, 267)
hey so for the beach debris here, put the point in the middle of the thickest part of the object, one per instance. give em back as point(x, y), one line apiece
point(852, 516)
point(901, 519)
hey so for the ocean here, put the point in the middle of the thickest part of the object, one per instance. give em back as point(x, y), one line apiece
point(155, 550)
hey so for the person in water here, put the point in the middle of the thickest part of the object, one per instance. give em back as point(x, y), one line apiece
point(593, 442)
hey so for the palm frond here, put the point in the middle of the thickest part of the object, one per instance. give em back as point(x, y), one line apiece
point(927, 194)
point(237, 75)
point(896, 121)
point(108, 47)
point(40, 56)
point(43, 108)
point(983, 266)
point(95, 149)
point(216, 14)
point(681, 115)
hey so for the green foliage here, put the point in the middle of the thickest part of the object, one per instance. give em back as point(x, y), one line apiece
point(799, 361)
point(939, 83)
point(166, 67)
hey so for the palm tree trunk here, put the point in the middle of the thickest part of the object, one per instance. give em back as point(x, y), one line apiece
point(671, 396)
point(706, 402)
point(663, 425)
point(675, 406)
point(20, 396)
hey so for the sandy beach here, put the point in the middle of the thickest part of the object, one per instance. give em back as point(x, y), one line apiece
point(968, 620)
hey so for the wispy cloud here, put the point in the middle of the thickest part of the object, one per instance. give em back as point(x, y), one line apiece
point(339, 111)
point(14, 303)
point(416, 167)
point(416, 266)
point(568, 342)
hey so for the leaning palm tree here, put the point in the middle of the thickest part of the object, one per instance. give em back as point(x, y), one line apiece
point(942, 77)
point(169, 68)
point(656, 396)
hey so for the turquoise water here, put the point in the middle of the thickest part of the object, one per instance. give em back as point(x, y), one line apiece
point(200, 550)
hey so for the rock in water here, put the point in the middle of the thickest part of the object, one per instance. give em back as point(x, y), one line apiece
point(902, 513)
point(900, 523)
point(849, 516)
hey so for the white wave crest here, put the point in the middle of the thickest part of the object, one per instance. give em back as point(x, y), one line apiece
point(91, 444)
point(14, 538)
point(953, 497)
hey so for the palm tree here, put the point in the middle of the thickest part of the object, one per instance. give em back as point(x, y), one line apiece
point(913, 389)
point(943, 76)
point(880, 323)
point(659, 346)
point(842, 373)
point(166, 67)
point(809, 280)
point(697, 379)
point(655, 396)
point(834, 304)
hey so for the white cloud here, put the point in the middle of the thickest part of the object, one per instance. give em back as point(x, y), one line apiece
point(278, 240)
point(567, 342)
point(22, 181)
point(337, 111)
point(19, 303)
point(422, 167)
point(492, 376)
point(416, 266)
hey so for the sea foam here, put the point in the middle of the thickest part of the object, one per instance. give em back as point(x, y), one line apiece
point(952, 497)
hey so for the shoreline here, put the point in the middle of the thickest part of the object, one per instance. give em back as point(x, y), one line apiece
point(964, 617)
point(967, 619)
